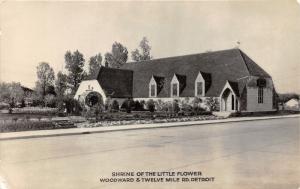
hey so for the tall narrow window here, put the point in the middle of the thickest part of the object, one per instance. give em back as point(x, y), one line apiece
point(175, 89)
point(199, 88)
point(232, 102)
point(152, 91)
point(260, 95)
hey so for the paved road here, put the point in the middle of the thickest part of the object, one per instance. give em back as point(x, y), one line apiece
point(255, 154)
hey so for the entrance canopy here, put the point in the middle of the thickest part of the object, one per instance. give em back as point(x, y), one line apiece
point(229, 98)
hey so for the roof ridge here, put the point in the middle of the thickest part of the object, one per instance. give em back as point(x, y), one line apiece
point(243, 58)
point(193, 54)
point(253, 68)
point(104, 67)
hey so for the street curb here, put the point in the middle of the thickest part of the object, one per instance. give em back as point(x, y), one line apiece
point(135, 127)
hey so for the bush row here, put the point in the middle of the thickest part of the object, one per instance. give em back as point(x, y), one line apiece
point(35, 110)
point(167, 109)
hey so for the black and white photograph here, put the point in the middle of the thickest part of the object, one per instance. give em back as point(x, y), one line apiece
point(150, 94)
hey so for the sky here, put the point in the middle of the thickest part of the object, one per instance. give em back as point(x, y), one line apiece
point(32, 32)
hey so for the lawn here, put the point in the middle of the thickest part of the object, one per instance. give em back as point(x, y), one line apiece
point(43, 119)
point(15, 126)
point(26, 119)
point(7, 116)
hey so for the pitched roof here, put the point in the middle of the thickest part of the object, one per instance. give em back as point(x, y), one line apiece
point(116, 83)
point(182, 82)
point(207, 79)
point(253, 68)
point(235, 87)
point(26, 89)
point(160, 81)
point(218, 66)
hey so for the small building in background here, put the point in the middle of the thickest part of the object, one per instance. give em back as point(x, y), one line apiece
point(292, 104)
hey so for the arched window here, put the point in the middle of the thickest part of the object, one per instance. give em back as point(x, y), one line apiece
point(152, 87)
point(174, 86)
point(175, 89)
point(152, 90)
point(199, 85)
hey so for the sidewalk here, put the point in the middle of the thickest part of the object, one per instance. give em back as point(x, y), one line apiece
point(78, 131)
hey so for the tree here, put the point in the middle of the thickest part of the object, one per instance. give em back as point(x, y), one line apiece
point(61, 84)
point(283, 98)
point(60, 89)
point(145, 49)
point(117, 57)
point(74, 64)
point(45, 75)
point(95, 64)
point(11, 93)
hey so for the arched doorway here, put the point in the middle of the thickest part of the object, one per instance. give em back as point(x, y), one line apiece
point(93, 98)
point(228, 100)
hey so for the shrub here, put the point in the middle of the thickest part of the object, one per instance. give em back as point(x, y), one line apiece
point(94, 111)
point(12, 104)
point(73, 106)
point(143, 104)
point(97, 109)
point(197, 109)
point(22, 103)
point(128, 105)
point(213, 104)
point(3, 106)
point(60, 105)
point(166, 107)
point(175, 107)
point(37, 100)
point(187, 109)
point(151, 105)
point(186, 106)
point(160, 105)
point(115, 106)
point(138, 106)
point(108, 104)
point(197, 101)
point(50, 101)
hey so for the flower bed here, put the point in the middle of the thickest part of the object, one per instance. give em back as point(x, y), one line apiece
point(12, 126)
point(35, 110)
point(144, 121)
point(25, 125)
